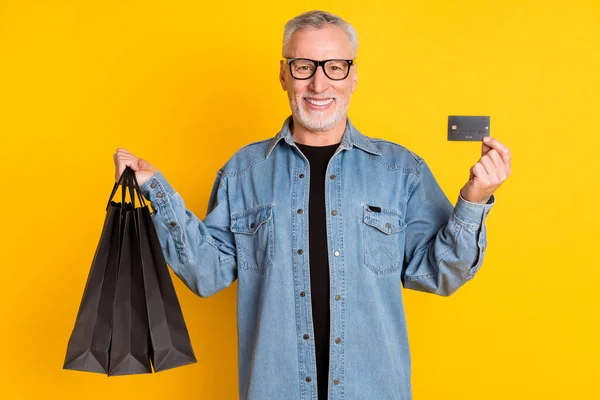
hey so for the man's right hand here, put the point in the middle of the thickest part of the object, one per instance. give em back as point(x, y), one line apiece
point(143, 169)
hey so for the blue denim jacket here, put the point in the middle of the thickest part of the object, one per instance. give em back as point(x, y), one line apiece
point(392, 226)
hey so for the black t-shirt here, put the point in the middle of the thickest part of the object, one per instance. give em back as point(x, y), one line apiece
point(319, 156)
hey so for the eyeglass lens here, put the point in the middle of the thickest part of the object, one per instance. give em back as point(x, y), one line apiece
point(334, 69)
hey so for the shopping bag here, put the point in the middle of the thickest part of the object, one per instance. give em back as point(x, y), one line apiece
point(89, 343)
point(129, 351)
point(170, 341)
point(129, 315)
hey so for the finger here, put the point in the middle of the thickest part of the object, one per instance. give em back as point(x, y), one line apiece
point(479, 172)
point(501, 148)
point(123, 162)
point(484, 148)
point(496, 159)
point(501, 171)
point(489, 166)
point(121, 150)
point(119, 158)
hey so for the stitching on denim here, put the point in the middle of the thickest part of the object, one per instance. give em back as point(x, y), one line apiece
point(412, 154)
point(253, 210)
point(371, 221)
point(480, 257)
point(421, 277)
point(176, 232)
point(343, 273)
point(413, 184)
point(366, 231)
point(391, 167)
point(245, 169)
point(469, 226)
point(269, 251)
point(222, 184)
point(209, 240)
point(452, 248)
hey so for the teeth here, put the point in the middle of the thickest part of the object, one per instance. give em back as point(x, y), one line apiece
point(319, 103)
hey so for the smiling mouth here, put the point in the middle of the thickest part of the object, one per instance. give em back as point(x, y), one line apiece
point(319, 102)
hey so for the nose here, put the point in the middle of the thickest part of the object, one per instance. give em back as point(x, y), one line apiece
point(319, 81)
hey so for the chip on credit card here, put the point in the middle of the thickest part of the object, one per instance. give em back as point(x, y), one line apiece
point(468, 128)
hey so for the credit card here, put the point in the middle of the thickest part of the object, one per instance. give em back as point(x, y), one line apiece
point(468, 128)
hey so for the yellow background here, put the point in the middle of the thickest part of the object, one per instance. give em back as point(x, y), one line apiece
point(185, 84)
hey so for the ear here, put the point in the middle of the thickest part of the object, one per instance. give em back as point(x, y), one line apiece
point(282, 80)
point(354, 81)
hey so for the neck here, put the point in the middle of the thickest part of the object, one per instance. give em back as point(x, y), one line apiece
point(304, 135)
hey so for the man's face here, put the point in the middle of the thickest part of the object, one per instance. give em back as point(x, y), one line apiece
point(319, 103)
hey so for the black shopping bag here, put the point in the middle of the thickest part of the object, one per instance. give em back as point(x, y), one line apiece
point(129, 351)
point(89, 343)
point(170, 341)
point(129, 312)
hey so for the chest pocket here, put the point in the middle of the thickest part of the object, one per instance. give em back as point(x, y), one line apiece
point(253, 231)
point(383, 238)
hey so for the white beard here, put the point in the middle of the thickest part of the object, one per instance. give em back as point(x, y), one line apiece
point(317, 121)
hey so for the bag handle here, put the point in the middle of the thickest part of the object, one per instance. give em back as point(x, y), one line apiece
point(129, 181)
point(116, 186)
point(133, 186)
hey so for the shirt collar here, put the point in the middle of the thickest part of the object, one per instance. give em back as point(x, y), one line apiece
point(352, 137)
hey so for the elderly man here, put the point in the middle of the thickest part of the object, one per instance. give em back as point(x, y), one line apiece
point(320, 225)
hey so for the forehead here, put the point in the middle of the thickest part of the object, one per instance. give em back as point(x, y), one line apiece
point(324, 43)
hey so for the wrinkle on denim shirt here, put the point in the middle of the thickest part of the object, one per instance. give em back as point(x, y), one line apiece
point(389, 224)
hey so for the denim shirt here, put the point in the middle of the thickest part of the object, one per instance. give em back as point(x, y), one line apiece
point(389, 225)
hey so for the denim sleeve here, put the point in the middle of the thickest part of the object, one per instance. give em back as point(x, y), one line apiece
point(444, 245)
point(201, 253)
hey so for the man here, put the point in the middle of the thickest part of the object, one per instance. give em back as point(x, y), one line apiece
point(320, 225)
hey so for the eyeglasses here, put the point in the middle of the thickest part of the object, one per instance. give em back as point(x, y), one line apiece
point(305, 68)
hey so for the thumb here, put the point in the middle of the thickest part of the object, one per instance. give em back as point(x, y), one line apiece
point(484, 148)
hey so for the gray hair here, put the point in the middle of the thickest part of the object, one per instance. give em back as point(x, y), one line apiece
point(317, 19)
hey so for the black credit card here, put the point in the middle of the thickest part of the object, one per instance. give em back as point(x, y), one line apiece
point(468, 128)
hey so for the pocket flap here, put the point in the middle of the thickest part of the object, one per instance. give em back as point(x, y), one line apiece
point(386, 220)
point(249, 221)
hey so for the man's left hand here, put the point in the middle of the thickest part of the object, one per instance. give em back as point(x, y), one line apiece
point(488, 173)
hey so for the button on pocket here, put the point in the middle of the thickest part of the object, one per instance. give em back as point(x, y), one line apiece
point(383, 235)
point(253, 231)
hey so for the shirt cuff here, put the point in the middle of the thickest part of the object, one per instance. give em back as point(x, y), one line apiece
point(472, 213)
point(157, 189)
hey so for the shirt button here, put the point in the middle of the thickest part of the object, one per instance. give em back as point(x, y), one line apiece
point(305, 337)
point(336, 253)
point(173, 223)
point(159, 195)
point(153, 185)
point(336, 382)
point(337, 297)
point(252, 225)
point(334, 212)
point(388, 225)
point(308, 379)
point(332, 177)
point(300, 251)
point(299, 211)
point(302, 294)
point(337, 340)
point(301, 175)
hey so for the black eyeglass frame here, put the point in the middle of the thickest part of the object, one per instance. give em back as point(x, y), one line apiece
point(319, 63)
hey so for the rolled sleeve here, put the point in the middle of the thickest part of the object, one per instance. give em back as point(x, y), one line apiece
point(472, 214)
point(472, 217)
